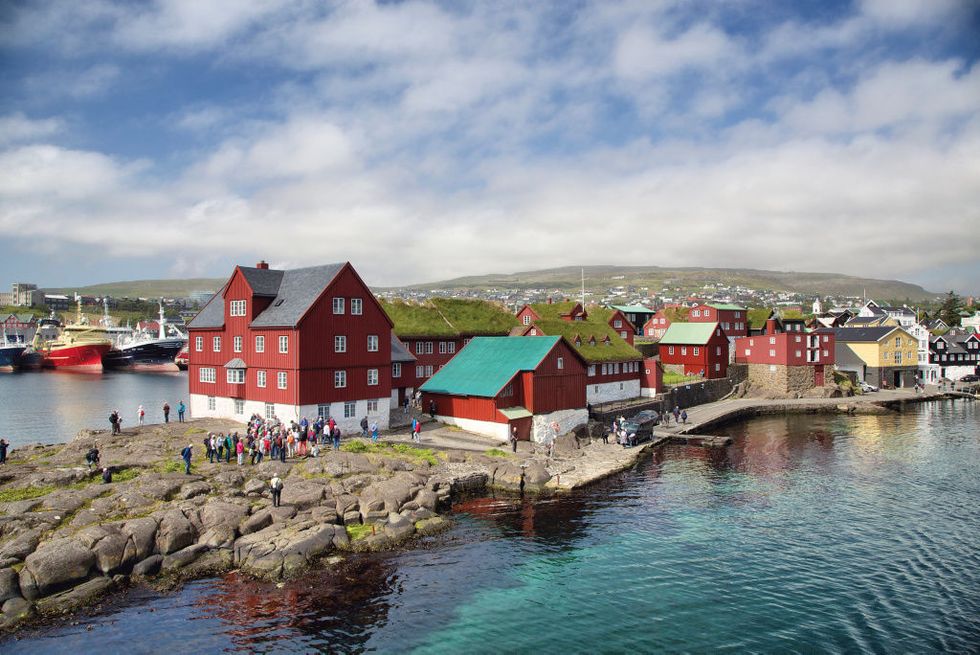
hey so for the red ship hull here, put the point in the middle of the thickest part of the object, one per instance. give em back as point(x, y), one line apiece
point(82, 357)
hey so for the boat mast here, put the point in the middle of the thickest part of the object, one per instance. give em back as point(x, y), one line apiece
point(163, 332)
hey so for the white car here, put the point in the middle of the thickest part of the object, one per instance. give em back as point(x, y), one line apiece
point(865, 387)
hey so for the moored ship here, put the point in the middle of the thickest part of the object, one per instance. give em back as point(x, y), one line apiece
point(10, 353)
point(150, 352)
point(80, 346)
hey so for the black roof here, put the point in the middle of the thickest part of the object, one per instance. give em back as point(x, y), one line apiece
point(293, 293)
point(399, 353)
point(868, 334)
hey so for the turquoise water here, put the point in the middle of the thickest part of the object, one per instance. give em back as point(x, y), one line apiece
point(811, 534)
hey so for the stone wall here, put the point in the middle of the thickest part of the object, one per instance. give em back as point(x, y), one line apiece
point(698, 393)
point(786, 380)
point(609, 391)
point(567, 420)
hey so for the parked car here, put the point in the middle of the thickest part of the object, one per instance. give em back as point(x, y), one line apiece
point(865, 387)
point(970, 378)
point(642, 425)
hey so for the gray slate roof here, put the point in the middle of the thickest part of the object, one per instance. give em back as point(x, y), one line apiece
point(236, 363)
point(293, 292)
point(399, 353)
point(867, 334)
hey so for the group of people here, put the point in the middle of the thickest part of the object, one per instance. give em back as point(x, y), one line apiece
point(115, 418)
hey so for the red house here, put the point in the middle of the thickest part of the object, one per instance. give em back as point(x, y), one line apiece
point(304, 342)
point(657, 325)
point(695, 349)
point(788, 362)
point(733, 319)
point(495, 384)
point(614, 318)
point(567, 310)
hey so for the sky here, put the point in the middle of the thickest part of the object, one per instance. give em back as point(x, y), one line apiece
point(427, 140)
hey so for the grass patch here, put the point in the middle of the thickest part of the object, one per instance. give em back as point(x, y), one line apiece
point(170, 466)
point(388, 448)
point(126, 475)
point(25, 493)
point(358, 531)
point(670, 377)
point(190, 431)
point(496, 452)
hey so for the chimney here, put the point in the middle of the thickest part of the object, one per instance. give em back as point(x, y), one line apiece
point(263, 265)
point(771, 326)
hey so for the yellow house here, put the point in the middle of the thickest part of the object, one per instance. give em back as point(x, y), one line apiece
point(884, 356)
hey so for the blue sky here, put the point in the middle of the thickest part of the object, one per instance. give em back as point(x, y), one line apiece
point(425, 140)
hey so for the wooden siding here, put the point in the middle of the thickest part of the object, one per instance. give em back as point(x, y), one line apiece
point(714, 352)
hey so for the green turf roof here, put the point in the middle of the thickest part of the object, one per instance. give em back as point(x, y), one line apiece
point(448, 317)
point(726, 306)
point(476, 317)
point(486, 364)
point(415, 320)
point(688, 333)
point(757, 317)
point(617, 350)
point(553, 310)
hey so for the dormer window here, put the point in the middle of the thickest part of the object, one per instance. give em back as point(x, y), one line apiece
point(527, 319)
point(578, 341)
point(236, 308)
point(591, 341)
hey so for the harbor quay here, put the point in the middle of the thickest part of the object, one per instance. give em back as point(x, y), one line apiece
point(68, 537)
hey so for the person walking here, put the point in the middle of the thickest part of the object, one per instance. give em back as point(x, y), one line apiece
point(3, 451)
point(677, 413)
point(432, 409)
point(374, 432)
point(364, 427)
point(114, 421)
point(335, 433)
point(240, 451)
point(513, 438)
point(229, 446)
point(180, 411)
point(282, 448)
point(92, 456)
point(416, 430)
point(212, 451)
point(208, 453)
point(684, 416)
point(166, 412)
point(275, 485)
point(140, 413)
point(186, 454)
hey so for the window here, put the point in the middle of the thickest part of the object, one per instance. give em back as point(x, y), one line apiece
point(339, 379)
point(799, 354)
point(428, 347)
point(591, 370)
point(212, 403)
point(372, 406)
point(198, 344)
point(340, 343)
point(527, 319)
point(797, 337)
point(748, 352)
point(283, 343)
point(338, 305)
point(236, 344)
point(419, 371)
point(898, 342)
point(717, 366)
point(670, 350)
point(239, 406)
point(623, 334)
point(442, 347)
point(738, 315)
point(451, 347)
point(772, 353)
point(260, 379)
point(419, 347)
point(349, 409)
point(707, 313)
point(260, 344)
point(216, 344)
point(772, 341)
point(281, 379)
point(696, 312)
point(372, 343)
point(683, 350)
point(887, 356)
point(270, 410)
point(898, 356)
point(718, 350)
point(428, 371)
point(396, 370)
point(356, 306)
point(615, 368)
point(235, 375)
point(323, 412)
point(826, 338)
point(207, 375)
point(697, 351)
point(605, 369)
point(507, 391)
point(237, 308)
point(561, 363)
point(617, 323)
point(372, 377)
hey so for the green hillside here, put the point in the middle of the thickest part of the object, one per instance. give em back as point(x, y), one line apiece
point(146, 288)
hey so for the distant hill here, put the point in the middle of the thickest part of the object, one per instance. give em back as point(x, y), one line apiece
point(146, 288)
point(655, 277)
point(569, 278)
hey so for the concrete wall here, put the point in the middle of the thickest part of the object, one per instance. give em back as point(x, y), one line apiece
point(609, 391)
point(499, 431)
point(225, 408)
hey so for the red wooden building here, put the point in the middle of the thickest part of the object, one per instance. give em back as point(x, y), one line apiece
point(695, 349)
point(788, 362)
point(733, 319)
point(657, 325)
point(567, 310)
point(499, 383)
point(303, 342)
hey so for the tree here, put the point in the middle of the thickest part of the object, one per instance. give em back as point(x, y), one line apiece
point(950, 310)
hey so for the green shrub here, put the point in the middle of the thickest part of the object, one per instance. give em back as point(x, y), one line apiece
point(355, 446)
point(126, 475)
point(496, 452)
point(171, 466)
point(24, 493)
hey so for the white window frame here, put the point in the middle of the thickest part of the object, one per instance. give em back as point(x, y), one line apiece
point(428, 371)
point(199, 344)
point(670, 350)
point(356, 306)
point(235, 375)
point(372, 406)
point(396, 369)
point(207, 375)
point(419, 371)
point(239, 406)
point(270, 410)
point(236, 343)
point(451, 347)
point(419, 347)
point(216, 344)
point(591, 370)
point(281, 379)
point(212, 403)
point(428, 347)
point(260, 379)
point(338, 306)
point(697, 351)
point(340, 343)
point(372, 377)
point(236, 308)
point(561, 363)
point(283, 344)
point(340, 379)
point(372, 343)
point(259, 343)
point(350, 409)
point(526, 319)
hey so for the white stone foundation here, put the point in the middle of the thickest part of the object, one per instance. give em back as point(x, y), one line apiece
point(225, 408)
point(498, 431)
point(567, 419)
point(609, 391)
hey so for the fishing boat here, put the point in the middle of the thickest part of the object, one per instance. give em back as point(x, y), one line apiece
point(10, 353)
point(154, 352)
point(183, 358)
point(80, 346)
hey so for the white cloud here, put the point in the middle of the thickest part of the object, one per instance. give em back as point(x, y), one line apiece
point(77, 84)
point(643, 52)
point(17, 127)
